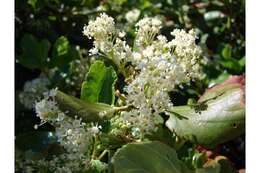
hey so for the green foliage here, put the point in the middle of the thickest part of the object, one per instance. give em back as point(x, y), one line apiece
point(157, 157)
point(96, 166)
point(192, 158)
point(62, 52)
point(32, 3)
point(88, 111)
point(144, 157)
point(221, 78)
point(227, 51)
point(35, 53)
point(99, 84)
point(209, 124)
point(162, 134)
point(36, 145)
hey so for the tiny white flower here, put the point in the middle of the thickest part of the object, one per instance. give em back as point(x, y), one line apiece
point(121, 34)
point(93, 51)
point(132, 16)
point(148, 52)
point(95, 129)
point(147, 28)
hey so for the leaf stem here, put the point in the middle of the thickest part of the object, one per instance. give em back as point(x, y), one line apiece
point(103, 154)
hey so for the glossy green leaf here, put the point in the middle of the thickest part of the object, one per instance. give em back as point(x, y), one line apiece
point(154, 157)
point(99, 84)
point(35, 53)
point(219, 116)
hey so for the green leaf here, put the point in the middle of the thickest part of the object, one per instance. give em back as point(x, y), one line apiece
point(221, 118)
point(231, 64)
point(227, 61)
point(89, 112)
point(242, 61)
point(99, 84)
point(192, 158)
point(163, 135)
point(154, 157)
point(227, 51)
point(221, 78)
point(35, 53)
point(32, 3)
point(198, 160)
point(62, 53)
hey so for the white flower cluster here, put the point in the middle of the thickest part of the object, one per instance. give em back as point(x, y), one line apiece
point(103, 27)
point(132, 16)
point(72, 134)
point(33, 91)
point(108, 41)
point(163, 65)
point(103, 31)
point(147, 29)
point(187, 52)
point(160, 66)
point(148, 92)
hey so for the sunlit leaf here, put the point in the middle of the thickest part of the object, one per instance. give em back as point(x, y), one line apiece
point(99, 84)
